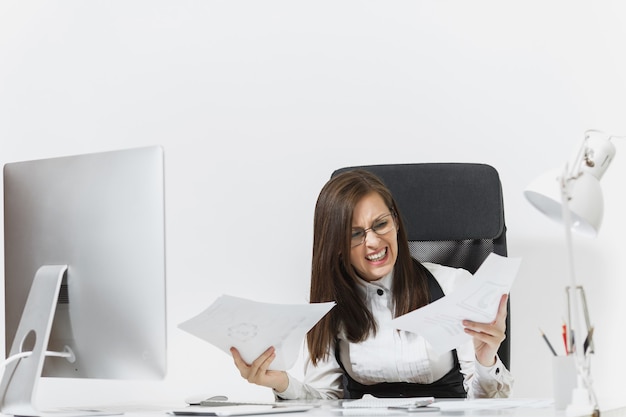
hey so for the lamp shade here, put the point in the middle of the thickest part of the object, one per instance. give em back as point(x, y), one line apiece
point(585, 202)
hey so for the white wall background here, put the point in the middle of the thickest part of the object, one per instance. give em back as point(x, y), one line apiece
point(257, 102)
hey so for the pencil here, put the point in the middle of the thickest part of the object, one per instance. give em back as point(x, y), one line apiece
point(547, 342)
point(565, 339)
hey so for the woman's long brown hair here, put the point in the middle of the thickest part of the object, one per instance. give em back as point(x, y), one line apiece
point(333, 278)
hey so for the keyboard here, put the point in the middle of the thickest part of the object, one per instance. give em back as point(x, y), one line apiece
point(369, 401)
point(222, 403)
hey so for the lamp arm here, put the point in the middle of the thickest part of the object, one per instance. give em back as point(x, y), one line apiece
point(574, 170)
point(585, 149)
point(567, 221)
point(575, 339)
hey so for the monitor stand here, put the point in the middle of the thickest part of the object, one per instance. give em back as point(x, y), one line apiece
point(28, 351)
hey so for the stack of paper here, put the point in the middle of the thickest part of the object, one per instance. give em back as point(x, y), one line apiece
point(252, 327)
point(440, 322)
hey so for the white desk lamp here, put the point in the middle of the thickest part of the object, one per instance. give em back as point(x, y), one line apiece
point(573, 197)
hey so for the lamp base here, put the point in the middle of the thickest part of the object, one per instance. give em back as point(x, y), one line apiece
point(581, 404)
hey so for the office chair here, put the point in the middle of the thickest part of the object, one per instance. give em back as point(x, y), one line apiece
point(453, 213)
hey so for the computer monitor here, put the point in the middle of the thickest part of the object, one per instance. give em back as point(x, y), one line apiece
point(84, 241)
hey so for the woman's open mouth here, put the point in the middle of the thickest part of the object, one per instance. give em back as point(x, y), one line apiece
point(378, 256)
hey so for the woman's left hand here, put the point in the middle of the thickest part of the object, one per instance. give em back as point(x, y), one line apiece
point(488, 336)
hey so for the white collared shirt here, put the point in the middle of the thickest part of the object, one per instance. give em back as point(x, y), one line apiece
point(390, 355)
point(398, 356)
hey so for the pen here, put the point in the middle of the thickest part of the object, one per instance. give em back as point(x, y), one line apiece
point(547, 342)
point(565, 339)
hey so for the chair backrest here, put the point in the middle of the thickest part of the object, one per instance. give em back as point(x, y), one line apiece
point(453, 212)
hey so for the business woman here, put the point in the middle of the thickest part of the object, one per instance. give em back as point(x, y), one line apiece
point(361, 260)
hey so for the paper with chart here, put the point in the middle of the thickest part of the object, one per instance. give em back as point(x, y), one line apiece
point(252, 327)
point(477, 300)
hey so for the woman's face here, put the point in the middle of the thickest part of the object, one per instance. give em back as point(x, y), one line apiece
point(376, 256)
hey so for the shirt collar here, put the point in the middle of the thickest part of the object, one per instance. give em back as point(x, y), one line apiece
point(369, 287)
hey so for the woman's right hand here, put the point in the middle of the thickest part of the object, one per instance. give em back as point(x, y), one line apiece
point(258, 373)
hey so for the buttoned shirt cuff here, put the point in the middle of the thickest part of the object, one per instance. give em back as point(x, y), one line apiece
point(496, 371)
point(291, 393)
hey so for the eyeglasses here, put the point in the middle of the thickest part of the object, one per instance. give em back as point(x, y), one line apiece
point(381, 226)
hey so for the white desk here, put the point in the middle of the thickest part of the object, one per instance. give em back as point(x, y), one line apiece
point(333, 409)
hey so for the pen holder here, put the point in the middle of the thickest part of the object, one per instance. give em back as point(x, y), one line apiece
point(564, 377)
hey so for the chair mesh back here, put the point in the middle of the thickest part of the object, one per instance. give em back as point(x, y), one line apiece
point(467, 254)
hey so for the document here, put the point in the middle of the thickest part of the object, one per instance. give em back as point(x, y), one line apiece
point(238, 410)
point(252, 327)
point(478, 299)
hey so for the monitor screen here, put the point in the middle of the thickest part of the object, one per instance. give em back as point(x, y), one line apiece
point(102, 216)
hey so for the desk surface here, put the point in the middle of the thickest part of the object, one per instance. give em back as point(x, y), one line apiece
point(482, 407)
point(496, 407)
